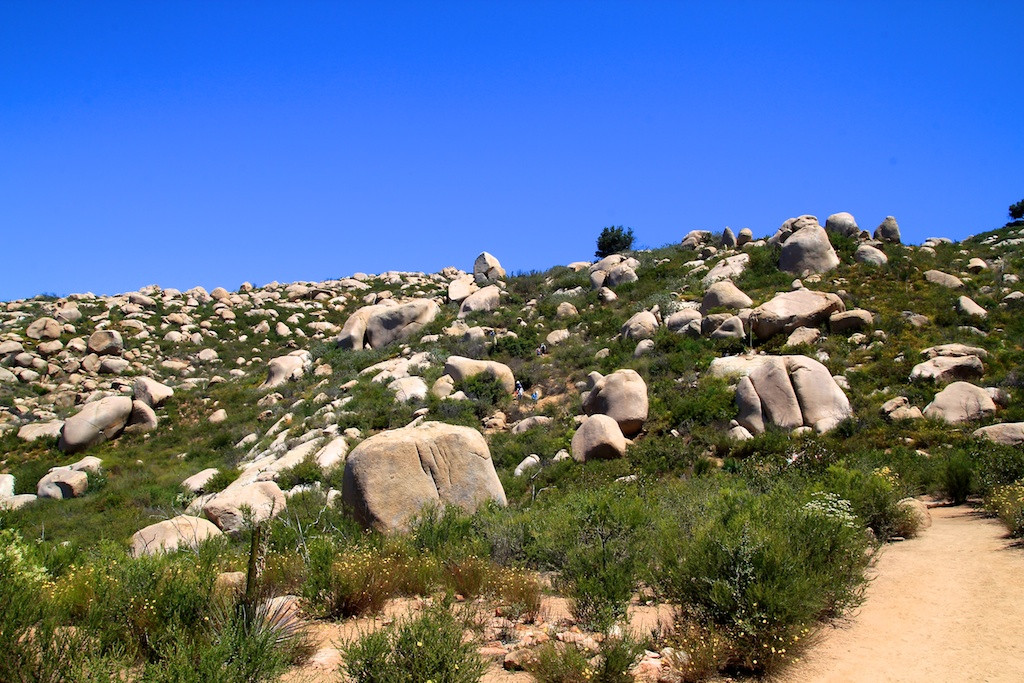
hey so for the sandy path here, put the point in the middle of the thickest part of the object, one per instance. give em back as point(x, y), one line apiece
point(946, 606)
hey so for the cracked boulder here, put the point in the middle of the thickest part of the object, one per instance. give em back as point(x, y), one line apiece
point(95, 423)
point(378, 325)
point(790, 392)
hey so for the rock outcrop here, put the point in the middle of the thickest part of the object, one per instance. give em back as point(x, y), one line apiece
point(236, 505)
point(487, 268)
point(788, 392)
point(378, 325)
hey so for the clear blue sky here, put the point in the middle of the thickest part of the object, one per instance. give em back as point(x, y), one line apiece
point(210, 143)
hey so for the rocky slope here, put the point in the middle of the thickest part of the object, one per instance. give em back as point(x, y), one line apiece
point(160, 417)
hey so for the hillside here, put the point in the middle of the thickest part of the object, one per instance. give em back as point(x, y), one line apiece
point(724, 430)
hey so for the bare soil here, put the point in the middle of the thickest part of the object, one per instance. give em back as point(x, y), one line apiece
point(945, 606)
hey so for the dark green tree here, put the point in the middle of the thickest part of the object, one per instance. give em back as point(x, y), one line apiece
point(1017, 210)
point(614, 239)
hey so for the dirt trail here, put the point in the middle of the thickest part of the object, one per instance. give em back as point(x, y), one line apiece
point(946, 606)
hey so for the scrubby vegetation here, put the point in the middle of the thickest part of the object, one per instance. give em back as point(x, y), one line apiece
point(751, 544)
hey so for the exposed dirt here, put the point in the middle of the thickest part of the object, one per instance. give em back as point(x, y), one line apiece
point(946, 606)
point(327, 636)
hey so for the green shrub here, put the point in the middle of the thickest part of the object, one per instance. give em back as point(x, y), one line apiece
point(485, 389)
point(874, 498)
point(427, 647)
point(523, 345)
point(1007, 503)
point(613, 240)
point(597, 540)
point(957, 478)
point(301, 474)
point(564, 663)
point(445, 532)
point(350, 583)
point(221, 480)
point(762, 567)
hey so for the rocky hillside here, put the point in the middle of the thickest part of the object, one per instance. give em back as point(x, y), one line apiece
point(820, 366)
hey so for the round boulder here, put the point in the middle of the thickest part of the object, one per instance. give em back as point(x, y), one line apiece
point(232, 507)
point(487, 268)
point(106, 343)
point(390, 477)
point(598, 438)
point(622, 396)
point(44, 329)
point(170, 534)
point(808, 251)
point(842, 223)
point(642, 325)
point(62, 483)
point(960, 402)
point(285, 368)
point(724, 294)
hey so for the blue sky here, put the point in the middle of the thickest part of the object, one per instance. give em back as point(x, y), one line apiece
point(211, 143)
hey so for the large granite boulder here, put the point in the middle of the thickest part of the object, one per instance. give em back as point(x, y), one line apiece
point(170, 534)
point(284, 369)
point(622, 396)
point(460, 288)
point(461, 368)
point(842, 223)
point(642, 325)
point(789, 310)
point(1007, 434)
point(378, 325)
point(234, 506)
point(888, 231)
point(486, 299)
point(960, 402)
point(870, 255)
point(61, 483)
point(391, 476)
point(724, 294)
point(948, 369)
point(937, 277)
point(790, 392)
point(40, 430)
point(151, 392)
point(613, 270)
point(105, 343)
point(95, 423)
point(400, 322)
point(808, 251)
point(487, 268)
point(729, 268)
point(598, 438)
point(43, 329)
point(143, 419)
